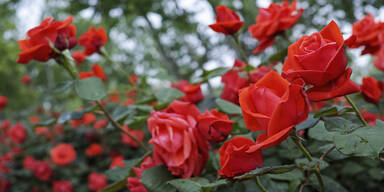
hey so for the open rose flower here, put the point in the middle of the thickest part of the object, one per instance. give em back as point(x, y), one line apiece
point(275, 106)
point(36, 47)
point(379, 61)
point(125, 139)
point(62, 186)
point(176, 139)
point(365, 33)
point(42, 170)
point(192, 93)
point(63, 154)
point(372, 89)
point(227, 21)
point(26, 79)
point(235, 160)
point(3, 102)
point(17, 133)
point(233, 81)
point(273, 20)
point(133, 183)
point(97, 71)
point(214, 126)
point(94, 150)
point(320, 60)
point(93, 40)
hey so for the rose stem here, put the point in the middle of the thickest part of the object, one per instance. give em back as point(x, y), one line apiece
point(66, 63)
point(243, 55)
point(358, 114)
point(297, 141)
point(261, 187)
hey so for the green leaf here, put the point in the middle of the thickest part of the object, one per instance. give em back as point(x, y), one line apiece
point(63, 86)
point(209, 75)
point(197, 184)
point(66, 116)
point(267, 170)
point(228, 107)
point(330, 185)
point(305, 163)
point(47, 122)
point(90, 89)
point(333, 110)
point(366, 142)
point(167, 95)
point(155, 179)
point(115, 186)
point(319, 132)
point(295, 174)
point(310, 122)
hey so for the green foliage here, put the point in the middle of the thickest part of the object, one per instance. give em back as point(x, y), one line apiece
point(90, 89)
point(228, 107)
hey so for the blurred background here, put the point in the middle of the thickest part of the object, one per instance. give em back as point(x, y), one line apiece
point(162, 40)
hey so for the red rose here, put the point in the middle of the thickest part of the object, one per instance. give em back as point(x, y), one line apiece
point(5, 125)
point(4, 184)
point(214, 126)
point(26, 79)
point(36, 47)
point(117, 161)
point(371, 117)
point(93, 40)
point(134, 184)
point(79, 57)
point(42, 170)
point(227, 21)
point(275, 106)
point(133, 79)
point(3, 102)
point(34, 119)
point(100, 124)
point(17, 133)
point(365, 33)
point(372, 89)
point(63, 154)
point(233, 82)
point(192, 93)
point(320, 60)
point(128, 102)
point(97, 71)
point(234, 160)
point(379, 61)
point(88, 118)
point(125, 139)
point(94, 150)
point(177, 142)
point(273, 20)
point(114, 97)
point(96, 181)
point(62, 186)
point(28, 162)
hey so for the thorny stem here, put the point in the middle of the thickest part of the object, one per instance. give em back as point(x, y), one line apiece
point(243, 55)
point(117, 125)
point(326, 153)
point(72, 71)
point(358, 114)
point(261, 187)
point(297, 141)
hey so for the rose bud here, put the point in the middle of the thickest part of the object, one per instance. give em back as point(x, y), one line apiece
point(192, 93)
point(214, 126)
point(62, 186)
point(97, 181)
point(372, 89)
point(79, 57)
point(227, 21)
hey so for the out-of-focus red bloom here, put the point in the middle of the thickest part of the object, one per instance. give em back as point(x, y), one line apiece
point(79, 57)
point(42, 130)
point(315, 106)
point(371, 117)
point(26, 79)
point(131, 93)
point(227, 21)
point(42, 170)
point(93, 40)
point(365, 33)
point(273, 20)
point(34, 119)
point(36, 47)
point(100, 124)
point(128, 102)
point(94, 150)
point(96, 181)
point(114, 97)
point(3, 102)
point(178, 143)
point(138, 134)
point(4, 184)
point(233, 81)
point(372, 89)
point(63, 154)
point(62, 186)
point(89, 118)
point(28, 162)
point(17, 133)
point(235, 160)
point(320, 60)
point(5, 125)
point(379, 61)
point(192, 93)
point(134, 184)
point(214, 126)
point(97, 71)
point(117, 160)
point(58, 129)
point(133, 79)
